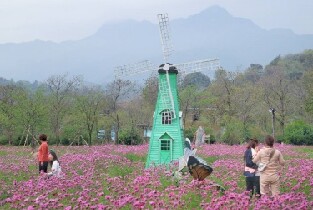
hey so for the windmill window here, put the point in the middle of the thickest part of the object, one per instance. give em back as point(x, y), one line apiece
point(166, 118)
point(165, 144)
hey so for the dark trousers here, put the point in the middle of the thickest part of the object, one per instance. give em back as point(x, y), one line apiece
point(253, 185)
point(43, 167)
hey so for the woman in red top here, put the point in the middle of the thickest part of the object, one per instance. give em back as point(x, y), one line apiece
point(43, 153)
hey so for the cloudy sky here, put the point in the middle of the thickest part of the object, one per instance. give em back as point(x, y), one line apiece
point(60, 20)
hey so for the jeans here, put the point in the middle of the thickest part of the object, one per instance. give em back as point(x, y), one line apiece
point(253, 185)
point(43, 167)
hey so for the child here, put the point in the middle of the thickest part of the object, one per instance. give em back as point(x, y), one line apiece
point(43, 154)
point(55, 165)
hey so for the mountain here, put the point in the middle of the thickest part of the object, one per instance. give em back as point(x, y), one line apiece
point(214, 32)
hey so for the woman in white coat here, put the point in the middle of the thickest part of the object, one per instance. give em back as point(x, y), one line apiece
point(55, 164)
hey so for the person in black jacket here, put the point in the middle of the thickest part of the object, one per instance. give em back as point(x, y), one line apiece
point(252, 181)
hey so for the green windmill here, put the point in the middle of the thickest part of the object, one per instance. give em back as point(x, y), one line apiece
point(166, 141)
point(167, 137)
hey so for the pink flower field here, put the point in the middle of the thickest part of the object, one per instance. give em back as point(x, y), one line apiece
point(114, 177)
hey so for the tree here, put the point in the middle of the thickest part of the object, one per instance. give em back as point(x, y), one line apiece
point(60, 90)
point(8, 104)
point(32, 112)
point(277, 93)
point(197, 79)
point(308, 83)
point(133, 116)
point(299, 133)
point(150, 91)
point(254, 73)
point(245, 102)
point(117, 92)
point(223, 88)
point(90, 103)
point(188, 101)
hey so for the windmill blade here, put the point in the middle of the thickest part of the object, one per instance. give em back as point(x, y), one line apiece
point(198, 66)
point(166, 41)
point(133, 69)
point(166, 92)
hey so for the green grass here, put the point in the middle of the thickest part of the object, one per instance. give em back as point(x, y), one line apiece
point(307, 150)
point(216, 180)
point(211, 159)
point(105, 188)
point(3, 153)
point(192, 200)
point(6, 206)
point(135, 158)
point(122, 171)
point(4, 195)
point(33, 168)
point(242, 182)
point(307, 189)
point(10, 177)
point(127, 207)
point(165, 181)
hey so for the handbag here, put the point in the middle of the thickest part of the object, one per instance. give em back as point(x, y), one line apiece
point(262, 166)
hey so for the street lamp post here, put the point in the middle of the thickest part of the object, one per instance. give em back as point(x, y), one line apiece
point(272, 110)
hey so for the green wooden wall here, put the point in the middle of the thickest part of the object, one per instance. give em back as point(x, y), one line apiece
point(161, 132)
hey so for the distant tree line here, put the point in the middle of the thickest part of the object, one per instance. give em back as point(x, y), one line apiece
point(231, 107)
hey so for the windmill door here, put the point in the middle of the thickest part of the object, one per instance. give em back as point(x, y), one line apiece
point(165, 150)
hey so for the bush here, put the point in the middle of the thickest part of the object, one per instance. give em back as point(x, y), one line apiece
point(212, 139)
point(299, 133)
point(3, 140)
point(189, 133)
point(129, 137)
point(233, 133)
point(65, 141)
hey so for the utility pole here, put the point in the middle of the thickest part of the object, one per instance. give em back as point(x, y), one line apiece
point(272, 110)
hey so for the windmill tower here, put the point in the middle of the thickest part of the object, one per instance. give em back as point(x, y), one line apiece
point(167, 136)
point(166, 142)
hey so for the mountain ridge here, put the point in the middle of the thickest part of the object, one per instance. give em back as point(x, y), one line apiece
point(211, 33)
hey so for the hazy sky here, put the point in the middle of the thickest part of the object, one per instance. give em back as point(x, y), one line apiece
point(59, 20)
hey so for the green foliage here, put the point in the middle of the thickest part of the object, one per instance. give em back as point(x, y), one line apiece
point(72, 113)
point(257, 132)
point(122, 171)
point(275, 60)
point(135, 158)
point(189, 133)
point(211, 159)
point(197, 79)
point(150, 91)
point(308, 84)
point(253, 73)
point(130, 137)
point(4, 195)
point(299, 133)
point(165, 181)
point(212, 139)
point(306, 150)
point(192, 200)
point(233, 132)
point(65, 141)
point(3, 140)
